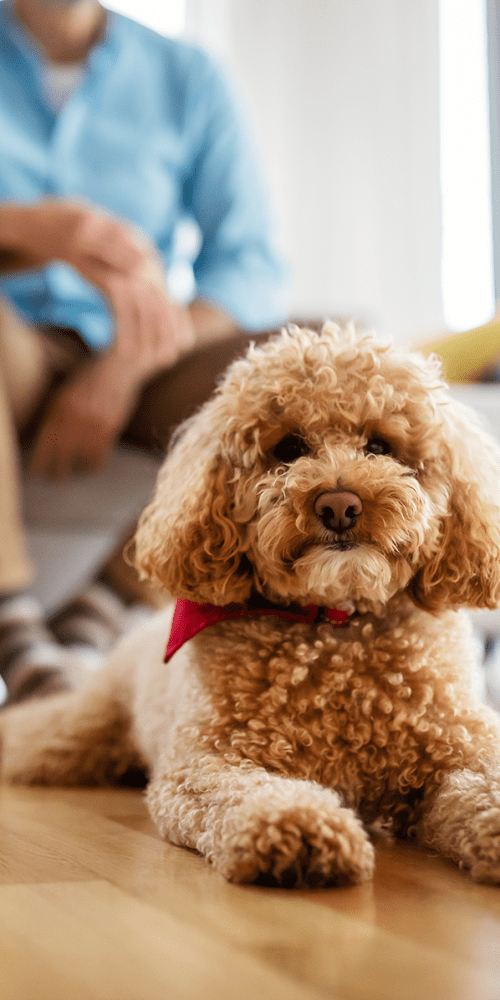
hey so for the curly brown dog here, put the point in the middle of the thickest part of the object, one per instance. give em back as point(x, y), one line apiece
point(321, 522)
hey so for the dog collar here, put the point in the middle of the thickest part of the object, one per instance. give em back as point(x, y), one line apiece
point(191, 618)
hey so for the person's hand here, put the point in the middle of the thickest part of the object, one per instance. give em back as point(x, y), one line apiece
point(76, 232)
point(150, 332)
point(84, 419)
point(114, 256)
point(80, 427)
point(87, 414)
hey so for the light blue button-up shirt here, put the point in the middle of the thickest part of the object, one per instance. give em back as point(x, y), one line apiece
point(152, 135)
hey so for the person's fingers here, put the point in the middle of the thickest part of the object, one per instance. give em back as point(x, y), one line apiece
point(124, 265)
point(186, 337)
point(61, 455)
point(84, 236)
point(163, 346)
point(152, 270)
point(41, 460)
point(170, 328)
point(97, 271)
point(145, 333)
point(149, 328)
point(109, 244)
point(47, 459)
point(120, 294)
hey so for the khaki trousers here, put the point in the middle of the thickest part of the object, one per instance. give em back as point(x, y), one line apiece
point(28, 361)
point(33, 362)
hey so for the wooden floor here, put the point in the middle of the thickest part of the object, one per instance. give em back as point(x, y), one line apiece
point(94, 906)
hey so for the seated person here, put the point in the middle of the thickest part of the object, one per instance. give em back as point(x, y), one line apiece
point(110, 135)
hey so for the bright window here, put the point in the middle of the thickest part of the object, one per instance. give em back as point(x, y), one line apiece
point(468, 273)
point(168, 17)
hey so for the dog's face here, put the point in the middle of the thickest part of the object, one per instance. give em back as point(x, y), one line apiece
point(328, 468)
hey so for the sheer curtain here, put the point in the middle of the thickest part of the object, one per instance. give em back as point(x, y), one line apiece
point(343, 99)
point(493, 22)
point(167, 18)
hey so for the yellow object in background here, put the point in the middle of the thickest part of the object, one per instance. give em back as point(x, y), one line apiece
point(467, 355)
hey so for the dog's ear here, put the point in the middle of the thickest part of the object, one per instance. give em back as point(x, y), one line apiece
point(186, 541)
point(465, 569)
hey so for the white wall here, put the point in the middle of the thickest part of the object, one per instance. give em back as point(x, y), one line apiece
point(343, 98)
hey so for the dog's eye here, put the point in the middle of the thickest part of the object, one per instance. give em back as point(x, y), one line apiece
point(290, 448)
point(377, 446)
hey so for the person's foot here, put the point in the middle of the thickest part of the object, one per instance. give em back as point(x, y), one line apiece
point(492, 674)
point(32, 663)
point(96, 617)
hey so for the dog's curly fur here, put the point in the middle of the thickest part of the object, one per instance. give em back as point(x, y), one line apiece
point(271, 745)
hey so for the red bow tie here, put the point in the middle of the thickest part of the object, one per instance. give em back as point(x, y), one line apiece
point(191, 618)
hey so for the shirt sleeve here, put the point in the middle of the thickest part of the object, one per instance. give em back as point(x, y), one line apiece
point(237, 267)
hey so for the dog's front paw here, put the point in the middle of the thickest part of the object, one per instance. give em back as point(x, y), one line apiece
point(463, 822)
point(297, 840)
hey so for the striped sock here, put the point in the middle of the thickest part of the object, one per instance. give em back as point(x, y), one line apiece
point(32, 663)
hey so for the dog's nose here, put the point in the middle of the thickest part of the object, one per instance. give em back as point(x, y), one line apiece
point(338, 510)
